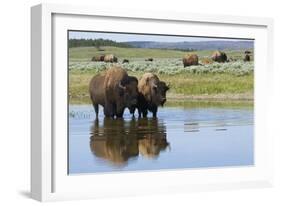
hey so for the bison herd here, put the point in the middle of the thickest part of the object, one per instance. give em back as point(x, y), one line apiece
point(217, 56)
point(116, 90)
point(188, 59)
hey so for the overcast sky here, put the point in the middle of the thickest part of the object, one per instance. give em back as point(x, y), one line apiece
point(137, 37)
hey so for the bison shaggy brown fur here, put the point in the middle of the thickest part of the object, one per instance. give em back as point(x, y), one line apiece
point(110, 58)
point(219, 56)
point(114, 90)
point(247, 58)
point(190, 59)
point(149, 59)
point(152, 93)
point(98, 58)
point(120, 91)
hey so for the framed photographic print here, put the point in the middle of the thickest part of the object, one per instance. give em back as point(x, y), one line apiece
point(135, 102)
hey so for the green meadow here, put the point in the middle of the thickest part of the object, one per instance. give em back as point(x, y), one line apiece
point(209, 81)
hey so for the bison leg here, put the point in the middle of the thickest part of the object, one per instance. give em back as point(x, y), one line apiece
point(144, 113)
point(108, 109)
point(139, 111)
point(96, 107)
point(154, 111)
point(119, 110)
point(120, 114)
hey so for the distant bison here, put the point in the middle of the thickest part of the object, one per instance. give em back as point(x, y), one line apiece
point(98, 58)
point(114, 90)
point(151, 94)
point(149, 60)
point(190, 59)
point(110, 58)
point(125, 61)
point(219, 56)
point(248, 52)
point(247, 58)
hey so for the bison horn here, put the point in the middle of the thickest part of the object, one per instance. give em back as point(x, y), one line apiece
point(121, 86)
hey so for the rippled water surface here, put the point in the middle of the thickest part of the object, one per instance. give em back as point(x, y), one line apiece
point(179, 138)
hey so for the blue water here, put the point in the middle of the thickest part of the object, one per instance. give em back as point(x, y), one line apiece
point(178, 138)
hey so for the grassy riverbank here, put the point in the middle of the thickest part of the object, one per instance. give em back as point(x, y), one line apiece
point(232, 81)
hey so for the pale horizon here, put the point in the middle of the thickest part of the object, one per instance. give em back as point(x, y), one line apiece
point(123, 37)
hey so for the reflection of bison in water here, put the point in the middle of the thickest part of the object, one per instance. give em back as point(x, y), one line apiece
point(112, 142)
point(98, 58)
point(152, 142)
point(190, 59)
point(152, 93)
point(114, 90)
point(219, 56)
point(110, 58)
point(118, 141)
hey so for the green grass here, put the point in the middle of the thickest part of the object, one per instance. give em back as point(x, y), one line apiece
point(223, 82)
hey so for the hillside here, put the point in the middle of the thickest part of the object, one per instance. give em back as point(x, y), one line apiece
point(86, 53)
point(203, 45)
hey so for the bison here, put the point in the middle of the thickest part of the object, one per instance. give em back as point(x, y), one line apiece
point(98, 58)
point(190, 59)
point(219, 56)
point(110, 58)
point(125, 61)
point(247, 58)
point(149, 60)
point(114, 90)
point(151, 94)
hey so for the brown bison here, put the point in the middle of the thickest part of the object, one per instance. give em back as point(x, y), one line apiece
point(110, 58)
point(97, 92)
point(219, 56)
point(151, 94)
point(190, 59)
point(98, 58)
point(125, 61)
point(247, 58)
point(114, 90)
point(149, 60)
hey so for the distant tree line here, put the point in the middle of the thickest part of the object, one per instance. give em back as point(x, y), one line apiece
point(180, 49)
point(96, 43)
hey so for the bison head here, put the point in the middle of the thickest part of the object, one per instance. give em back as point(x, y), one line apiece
point(128, 89)
point(158, 92)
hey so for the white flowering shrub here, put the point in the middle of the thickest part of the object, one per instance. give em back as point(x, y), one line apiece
point(169, 66)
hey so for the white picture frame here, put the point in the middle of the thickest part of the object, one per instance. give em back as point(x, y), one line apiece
point(49, 179)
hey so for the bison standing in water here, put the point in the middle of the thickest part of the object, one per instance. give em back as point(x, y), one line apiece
point(114, 90)
point(219, 56)
point(110, 58)
point(152, 93)
point(190, 59)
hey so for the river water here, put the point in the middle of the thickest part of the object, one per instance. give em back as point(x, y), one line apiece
point(180, 137)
